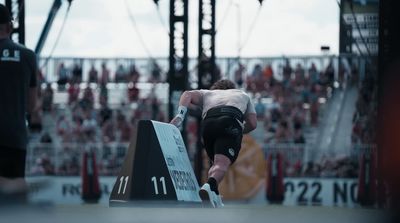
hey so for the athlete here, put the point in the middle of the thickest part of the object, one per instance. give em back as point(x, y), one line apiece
point(227, 114)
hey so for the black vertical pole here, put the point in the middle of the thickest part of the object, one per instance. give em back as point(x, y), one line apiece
point(178, 54)
point(207, 74)
point(17, 9)
point(206, 58)
point(21, 21)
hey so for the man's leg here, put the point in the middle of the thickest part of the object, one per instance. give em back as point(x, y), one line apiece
point(209, 191)
point(217, 171)
point(12, 162)
point(13, 188)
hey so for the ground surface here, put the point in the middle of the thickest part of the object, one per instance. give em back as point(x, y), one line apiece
point(171, 213)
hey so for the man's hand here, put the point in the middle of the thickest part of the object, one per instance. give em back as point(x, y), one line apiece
point(177, 121)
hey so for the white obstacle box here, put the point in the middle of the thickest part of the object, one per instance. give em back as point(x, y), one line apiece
point(156, 168)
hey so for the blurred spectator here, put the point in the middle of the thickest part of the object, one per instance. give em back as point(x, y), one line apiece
point(287, 72)
point(330, 74)
point(120, 74)
point(258, 81)
point(314, 105)
point(103, 95)
point(108, 130)
point(43, 166)
point(46, 138)
point(47, 98)
point(282, 134)
point(133, 92)
point(87, 101)
point(257, 72)
point(63, 75)
point(73, 93)
point(105, 113)
point(328, 168)
point(155, 106)
point(155, 73)
point(364, 118)
point(93, 75)
point(260, 108)
point(105, 74)
point(298, 133)
point(134, 74)
point(298, 114)
point(70, 164)
point(313, 74)
point(239, 72)
point(76, 73)
point(78, 135)
point(64, 127)
point(89, 127)
point(310, 170)
point(123, 127)
point(299, 75)
point(268, 72)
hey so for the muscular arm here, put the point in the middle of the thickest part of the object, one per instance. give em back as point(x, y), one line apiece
point(190, 99)
point(250, 123)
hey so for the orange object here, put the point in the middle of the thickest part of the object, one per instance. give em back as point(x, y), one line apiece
point(246, 177)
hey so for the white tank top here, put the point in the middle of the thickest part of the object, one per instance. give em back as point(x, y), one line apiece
point(231, 97)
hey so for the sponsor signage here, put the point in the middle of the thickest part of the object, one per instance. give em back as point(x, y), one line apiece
point(299, 191)
point(359, 28)
point(156, 167)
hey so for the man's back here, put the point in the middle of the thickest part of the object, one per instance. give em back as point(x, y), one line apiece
point(230, 97)
point(18, 73)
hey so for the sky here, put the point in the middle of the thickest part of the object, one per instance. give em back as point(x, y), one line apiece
point(102, 28)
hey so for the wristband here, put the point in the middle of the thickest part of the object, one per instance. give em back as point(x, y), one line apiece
point(181, 112)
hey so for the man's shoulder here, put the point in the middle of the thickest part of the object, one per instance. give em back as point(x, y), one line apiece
point(11, 51)
point(26, 50)
point(21, 47)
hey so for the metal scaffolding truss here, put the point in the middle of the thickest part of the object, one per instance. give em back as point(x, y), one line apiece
point(206, 58)
point(178, 51)
point(17, 9)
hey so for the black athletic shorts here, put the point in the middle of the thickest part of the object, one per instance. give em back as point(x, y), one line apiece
point(12, 162)
point(222, 135)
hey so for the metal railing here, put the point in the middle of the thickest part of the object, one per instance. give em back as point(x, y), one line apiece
point(66, 159)
point(227, 65)
point(344, 165)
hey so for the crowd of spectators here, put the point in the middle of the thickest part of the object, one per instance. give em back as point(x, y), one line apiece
point(341, 167)
point(294, 95)
point(364, 118)
point(80, 123)
point(102, 75)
